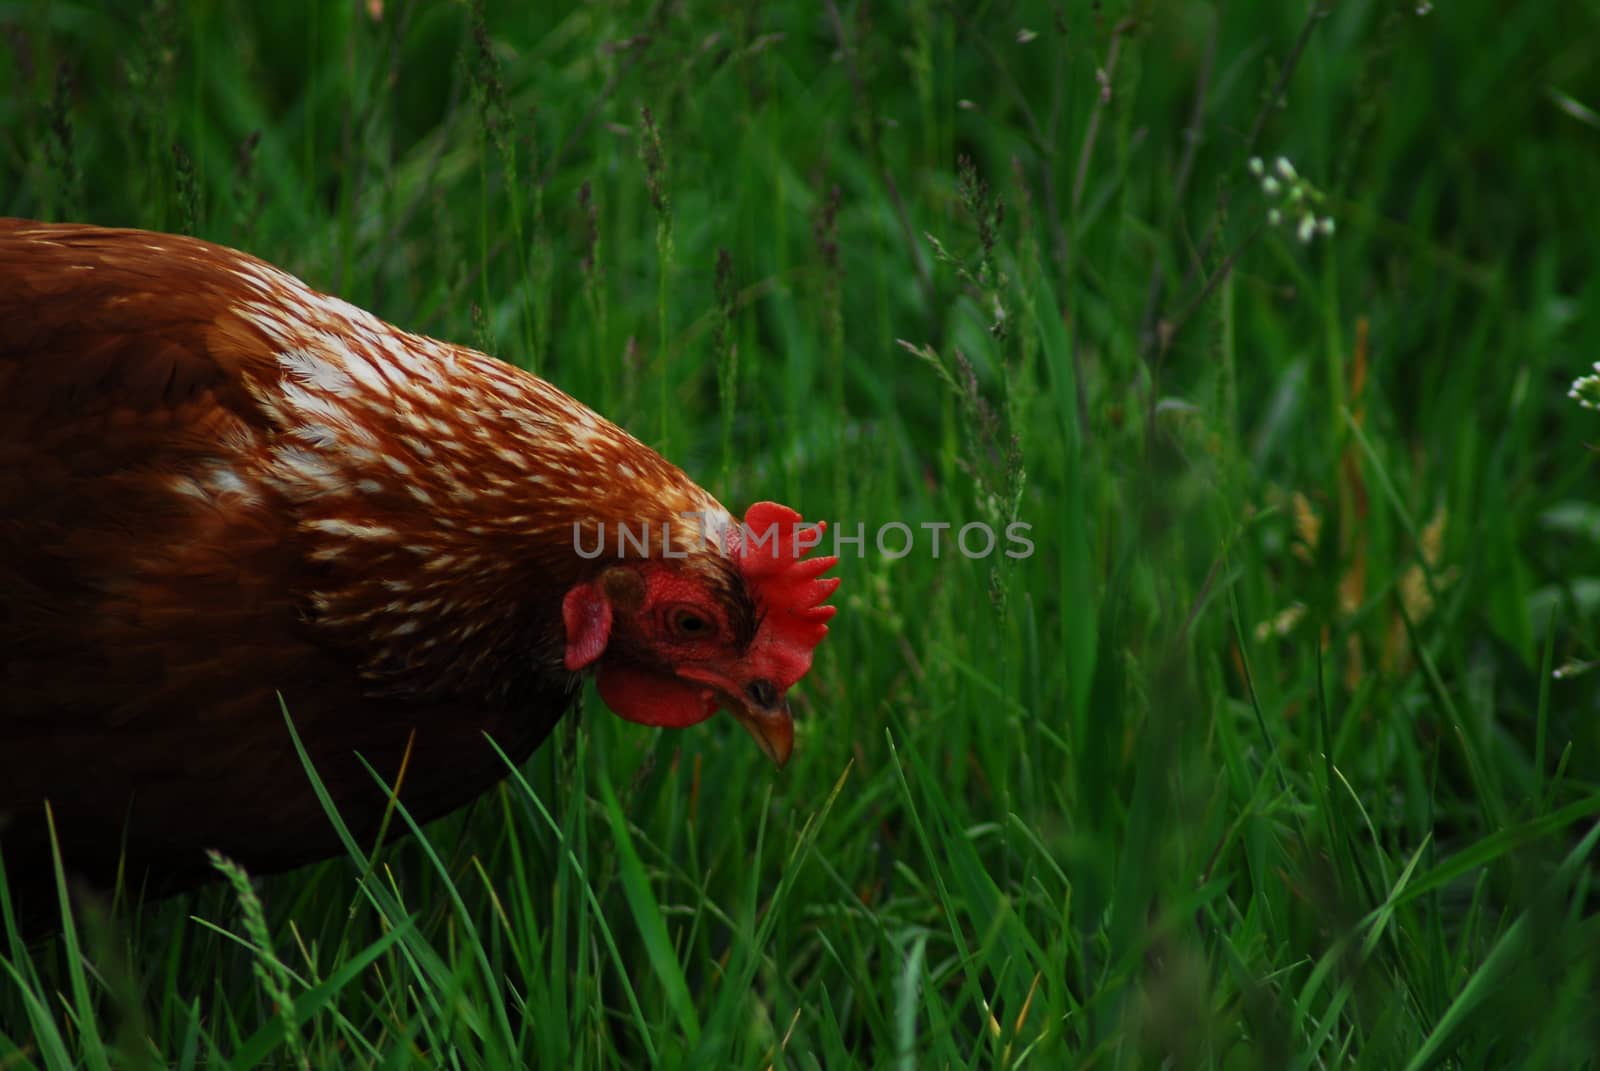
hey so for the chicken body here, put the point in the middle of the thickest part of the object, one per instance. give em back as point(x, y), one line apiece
point(219, 487)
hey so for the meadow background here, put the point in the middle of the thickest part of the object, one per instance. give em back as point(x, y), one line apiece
point(1280, 751)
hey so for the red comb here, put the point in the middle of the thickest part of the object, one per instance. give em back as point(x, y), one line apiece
point(788, 587)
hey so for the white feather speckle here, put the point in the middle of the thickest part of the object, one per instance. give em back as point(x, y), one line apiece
point(351, 529)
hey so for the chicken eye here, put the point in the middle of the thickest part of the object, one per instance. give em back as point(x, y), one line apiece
point(689, 624)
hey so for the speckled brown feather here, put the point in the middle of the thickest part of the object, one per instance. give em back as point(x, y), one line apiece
point(217, 486)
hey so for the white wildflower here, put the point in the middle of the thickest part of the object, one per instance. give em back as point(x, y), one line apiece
point(1585, 391)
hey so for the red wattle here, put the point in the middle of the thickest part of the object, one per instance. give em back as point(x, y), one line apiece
point(653, 698)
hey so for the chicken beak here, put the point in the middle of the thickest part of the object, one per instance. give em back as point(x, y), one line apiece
point(772, 728)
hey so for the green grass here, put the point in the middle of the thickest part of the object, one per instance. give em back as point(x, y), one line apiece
point(1258, 761)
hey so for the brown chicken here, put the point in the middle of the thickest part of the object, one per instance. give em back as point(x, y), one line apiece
point(219, 487)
